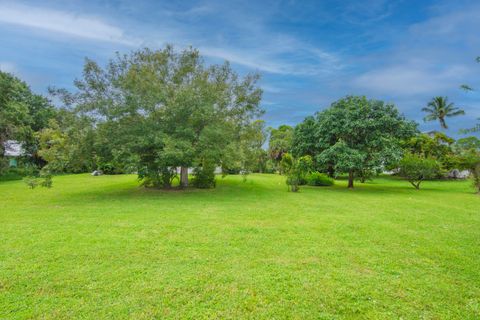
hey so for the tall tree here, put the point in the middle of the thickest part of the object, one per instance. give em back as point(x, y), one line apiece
point(279, 143)
point(357, 135)
point(439, 108)
point(167, 109)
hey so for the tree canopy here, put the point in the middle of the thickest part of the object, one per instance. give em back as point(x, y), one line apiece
point(164, 109)
point(356, 136)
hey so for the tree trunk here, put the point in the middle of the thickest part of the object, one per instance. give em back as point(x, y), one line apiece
point(183, 177)
point(443, 124)
point(350, 179)
point(331, 171)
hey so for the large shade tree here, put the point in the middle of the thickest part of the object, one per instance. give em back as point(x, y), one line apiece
point(439, 108)
point(164, 109)
point(358, 136)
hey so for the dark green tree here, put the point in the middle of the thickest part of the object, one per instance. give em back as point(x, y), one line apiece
point(166, 109)
point(356, 135)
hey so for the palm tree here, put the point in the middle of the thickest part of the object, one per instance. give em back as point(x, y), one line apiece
point(439, 109)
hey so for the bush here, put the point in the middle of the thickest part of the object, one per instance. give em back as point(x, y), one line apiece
point(204, 177)
point(296, 170)
point(11, 174)
point(42, 178)
point(470, 160)
point(416, 168)
point(18, 173)
point(31, 182)
point(319, 179)
point(108, 168)
point(158, 177)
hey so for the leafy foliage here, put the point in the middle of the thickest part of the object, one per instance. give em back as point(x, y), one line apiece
point(415, 169)
point(204, 176)
point(296, 170)
point(280, 143)
point(359, 136)
point(319, 179)
point(469, 158)
point(68, 144)
point(304, 138)
point(437, 146)
point(22, 113)
point(167, 109)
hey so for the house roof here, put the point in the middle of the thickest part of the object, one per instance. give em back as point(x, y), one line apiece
point(13, 148)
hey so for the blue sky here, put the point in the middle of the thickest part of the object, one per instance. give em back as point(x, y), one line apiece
point(309, 53)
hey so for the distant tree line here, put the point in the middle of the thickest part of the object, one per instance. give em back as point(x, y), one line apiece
point(158, 113)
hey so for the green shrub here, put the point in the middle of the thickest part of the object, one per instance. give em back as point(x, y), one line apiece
point(107, 168)
point(319, 179)
point(296, 170)
point(204, 177)
point(11, 174)
point(31, 182)
point(46, 179)
point(41, 178)
point(157, 178)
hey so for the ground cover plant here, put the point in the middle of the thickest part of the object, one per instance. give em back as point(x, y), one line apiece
point(103, 247)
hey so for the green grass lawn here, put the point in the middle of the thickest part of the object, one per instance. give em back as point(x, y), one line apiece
point(102, 247)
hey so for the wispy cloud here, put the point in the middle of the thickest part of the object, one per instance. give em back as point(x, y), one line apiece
point(62, 22)
point(290, 57)
point(411, 79)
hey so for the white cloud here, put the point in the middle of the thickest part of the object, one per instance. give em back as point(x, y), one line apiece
point(267, 51)
point(302, 60)
point(411, 79)
point(63, 22)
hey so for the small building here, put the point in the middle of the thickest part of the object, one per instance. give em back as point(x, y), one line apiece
point(13, 150)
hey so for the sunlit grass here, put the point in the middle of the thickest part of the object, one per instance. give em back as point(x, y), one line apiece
point(101, 247)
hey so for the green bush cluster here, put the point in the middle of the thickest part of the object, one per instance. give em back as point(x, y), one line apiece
point(42, 178)
point(319, 179)
point(12, 174)
point(204, 177)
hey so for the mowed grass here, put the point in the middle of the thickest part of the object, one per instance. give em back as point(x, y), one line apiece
point(104, 248)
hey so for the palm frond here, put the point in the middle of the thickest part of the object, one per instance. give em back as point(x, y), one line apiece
point(427, 109)
point(455, 113)
point(430, 117)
